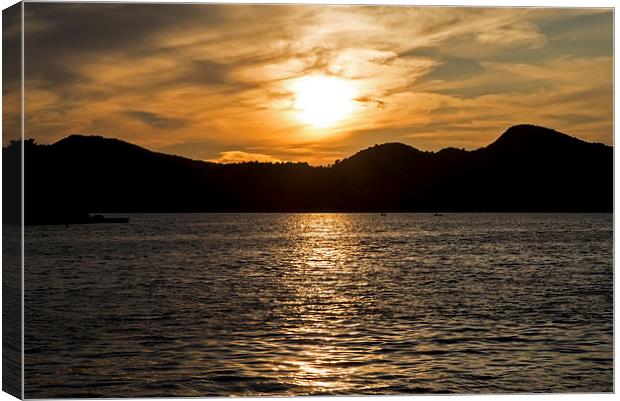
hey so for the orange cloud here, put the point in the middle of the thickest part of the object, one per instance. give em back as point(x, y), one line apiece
point(237, 156)
point(222, 74)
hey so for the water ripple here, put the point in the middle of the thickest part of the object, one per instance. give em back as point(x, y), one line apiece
point(292, 304)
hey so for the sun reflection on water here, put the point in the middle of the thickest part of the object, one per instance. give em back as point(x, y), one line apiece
point(323, 308)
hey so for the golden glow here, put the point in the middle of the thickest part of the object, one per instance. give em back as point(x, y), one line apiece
point(324, 83)
point(323, 101)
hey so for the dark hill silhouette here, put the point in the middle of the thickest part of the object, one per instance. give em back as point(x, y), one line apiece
point(526, 137)
point(527, 169)
point(386, 156)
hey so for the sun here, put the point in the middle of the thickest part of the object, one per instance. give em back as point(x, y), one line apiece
point(323, 101)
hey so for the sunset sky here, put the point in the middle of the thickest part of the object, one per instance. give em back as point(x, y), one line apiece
point(312, 83)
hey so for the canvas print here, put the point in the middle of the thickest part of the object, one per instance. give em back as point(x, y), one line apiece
point(282, 200)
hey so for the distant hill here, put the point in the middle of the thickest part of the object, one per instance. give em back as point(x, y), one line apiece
point(527, 169)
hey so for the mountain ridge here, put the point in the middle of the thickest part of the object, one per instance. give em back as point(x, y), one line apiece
point(520, 134)
point(527, 169)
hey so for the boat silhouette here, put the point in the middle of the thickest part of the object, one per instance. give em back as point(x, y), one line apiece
point(98, 218)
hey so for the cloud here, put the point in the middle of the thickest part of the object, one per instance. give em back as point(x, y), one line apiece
point(237, 156)
point(365, 99)
point(202, 79)
point(523, 33)
point(157, 121)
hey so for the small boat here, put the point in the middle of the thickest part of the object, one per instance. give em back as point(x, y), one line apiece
point(383, 214)
point(70, 218)
point(438, 214)
point(98, 218)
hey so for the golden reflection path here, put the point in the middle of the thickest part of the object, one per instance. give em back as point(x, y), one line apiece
point(322, 307)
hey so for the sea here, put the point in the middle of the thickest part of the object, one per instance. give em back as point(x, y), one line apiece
point(320, 304)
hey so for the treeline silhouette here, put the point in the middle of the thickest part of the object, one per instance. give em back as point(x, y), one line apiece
point(528, 169)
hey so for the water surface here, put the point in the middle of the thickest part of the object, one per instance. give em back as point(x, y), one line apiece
point(294, 304)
